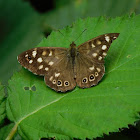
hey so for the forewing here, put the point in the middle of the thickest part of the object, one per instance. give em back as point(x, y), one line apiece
point(96, 48)
point(40, 60)
point(90, 61)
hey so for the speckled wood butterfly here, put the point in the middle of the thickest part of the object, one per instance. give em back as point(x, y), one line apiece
point(64, 68)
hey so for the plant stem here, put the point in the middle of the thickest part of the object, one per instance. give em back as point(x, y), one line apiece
point(12, 133)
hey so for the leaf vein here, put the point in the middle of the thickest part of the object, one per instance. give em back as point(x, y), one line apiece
point(122, 64)
point(38, 109)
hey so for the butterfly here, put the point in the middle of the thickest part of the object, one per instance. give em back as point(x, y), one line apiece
point(64, 68)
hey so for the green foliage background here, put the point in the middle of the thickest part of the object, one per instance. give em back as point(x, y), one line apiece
point(82, 113)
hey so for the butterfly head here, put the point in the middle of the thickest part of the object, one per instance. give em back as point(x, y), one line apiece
point(73, 45)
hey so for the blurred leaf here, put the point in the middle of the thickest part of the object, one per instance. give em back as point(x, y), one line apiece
point(2, 105)
point(82, 113)
point(60, 3)
point(20, 28)
point(137, 6)
point(85, 8)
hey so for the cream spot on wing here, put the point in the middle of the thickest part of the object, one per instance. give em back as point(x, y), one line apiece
point(50, 54)
point(91, 68)
point(46, 69)
point(93, 46)
point(34, 53)
point(104, 47)
point(40, 67)
point(98, 69)
point(57, 74)
point(96, 74)
point(26, 55)
point(104, 54)
point(39, 60)
point(56, 57)
point(100, 58)
point(98, 42)
point(51, 63)
point(94, 54)
point(107, 38)
point(51, 78)
point(54, 81)
point(114, 37)
point(44, 53)
point(31, 61)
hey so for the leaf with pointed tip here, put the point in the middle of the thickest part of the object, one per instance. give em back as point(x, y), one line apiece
point(83, 113)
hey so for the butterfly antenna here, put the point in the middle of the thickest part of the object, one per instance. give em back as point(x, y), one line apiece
point(63, 35)
point(80, 34)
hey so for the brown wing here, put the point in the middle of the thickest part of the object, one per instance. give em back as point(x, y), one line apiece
point(61, 76)
point(97, 48)
point(40, 60)
point(90, 61)
point(88, 72)
point(52, 63)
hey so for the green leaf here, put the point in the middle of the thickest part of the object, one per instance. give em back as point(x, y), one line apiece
point(92, 8)
point(2, 105)
point(6, 130)
point(82, 113)
point(20, 30)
